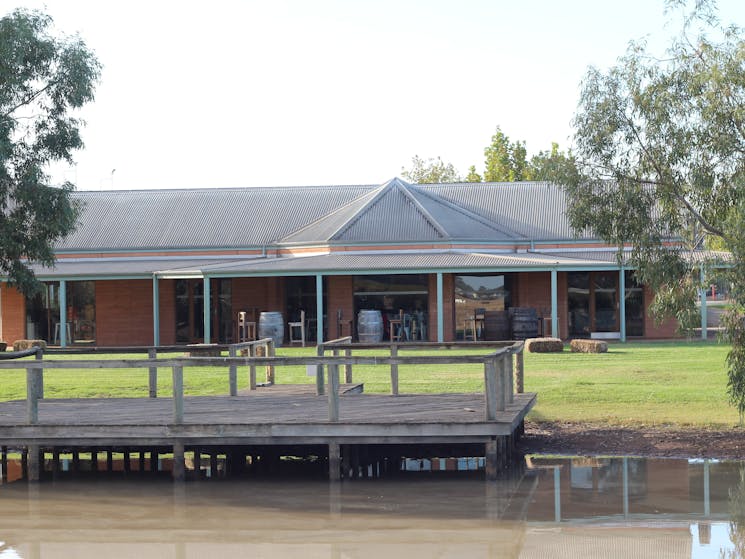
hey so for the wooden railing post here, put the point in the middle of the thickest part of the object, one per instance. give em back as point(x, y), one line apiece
point(178, 394)
point(32, 396)
point(510, 393)
point(252, 368)
point(520, 372)
point(320, 381)
point(233, 372)
point(333, 392)
point(394, 370)
point(40, 377)
point(490, 388)
point(152, 374)
point(502, 381)
point(270, 369)
point(348, 366)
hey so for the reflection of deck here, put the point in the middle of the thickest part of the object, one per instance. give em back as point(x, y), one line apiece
point(284, 416)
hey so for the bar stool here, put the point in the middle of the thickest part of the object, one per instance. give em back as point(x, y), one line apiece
point(56, 333)
point(469, 324)
point(396, 326)
point(246, 327)
point(341, 322)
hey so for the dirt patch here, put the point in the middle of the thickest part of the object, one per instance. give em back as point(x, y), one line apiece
point(669, 442)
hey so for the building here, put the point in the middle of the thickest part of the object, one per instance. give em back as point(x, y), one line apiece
point(162, 267)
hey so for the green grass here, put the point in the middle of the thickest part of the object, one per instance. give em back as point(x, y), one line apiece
point(680, 383)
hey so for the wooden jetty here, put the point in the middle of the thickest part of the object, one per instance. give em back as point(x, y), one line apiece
point(348, 431)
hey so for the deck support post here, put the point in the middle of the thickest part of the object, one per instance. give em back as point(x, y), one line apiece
point(178, 395)
point(179, 462)
point(152, 374)
point(233, 373)
point(520, 370)
point(394, 370)
point(510, 375)
point(490, 389)
point(334, 462)
point(4, 464)
point(557, 494)
point(33, 463)
point(333, 395)
point(320, 381)
point(491, 458)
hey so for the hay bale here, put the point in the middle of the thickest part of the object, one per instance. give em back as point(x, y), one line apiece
point(203, 350)
point(544, 345)
point(20, 345)
point(588, 346)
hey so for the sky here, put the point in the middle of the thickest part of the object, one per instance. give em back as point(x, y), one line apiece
point(242, 93)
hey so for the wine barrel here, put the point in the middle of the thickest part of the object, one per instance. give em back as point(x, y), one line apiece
point(524, 323)
point(496, 325)
point(370, 327)
point(272, 325)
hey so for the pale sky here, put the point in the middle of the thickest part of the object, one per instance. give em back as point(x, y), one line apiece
point(288, 92)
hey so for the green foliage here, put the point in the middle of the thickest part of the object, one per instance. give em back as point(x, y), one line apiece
point(43, 79)
point(660, 146)
point(505, 160)
point(552, 165)
point(472, 175)
point(431, 171)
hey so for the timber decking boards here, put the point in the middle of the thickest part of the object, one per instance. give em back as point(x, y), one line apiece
point(264, 407)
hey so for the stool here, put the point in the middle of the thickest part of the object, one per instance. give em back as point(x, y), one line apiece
point(56, 339)
point(299, 325)
point(397, 327)
point(469, 324)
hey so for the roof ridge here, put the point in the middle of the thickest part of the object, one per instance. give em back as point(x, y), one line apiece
point(428, 216)
point(335, 212)
point(468, 213)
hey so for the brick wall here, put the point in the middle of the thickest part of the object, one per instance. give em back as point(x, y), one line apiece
point(14, 314)
point(652, 330)
point(339, 295)
point(124, 312)
point(167, 304)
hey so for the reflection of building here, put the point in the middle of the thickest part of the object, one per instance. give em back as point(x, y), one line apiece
point(164, 267)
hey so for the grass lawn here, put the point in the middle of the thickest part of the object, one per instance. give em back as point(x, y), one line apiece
point(681, 383)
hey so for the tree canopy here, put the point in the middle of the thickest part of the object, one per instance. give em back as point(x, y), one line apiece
point(660, 147)
point(431, 171)
point(43, 79)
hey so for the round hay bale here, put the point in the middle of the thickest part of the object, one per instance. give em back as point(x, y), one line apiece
point(544, 345)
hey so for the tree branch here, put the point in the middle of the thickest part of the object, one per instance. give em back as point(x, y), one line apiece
point(29, 99)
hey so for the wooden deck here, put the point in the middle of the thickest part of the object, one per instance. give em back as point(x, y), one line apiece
point(283, 416)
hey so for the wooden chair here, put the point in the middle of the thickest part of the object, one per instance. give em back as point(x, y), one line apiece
point(247, 326)
point(301, 325)
point(396, 326)
point(341, 322)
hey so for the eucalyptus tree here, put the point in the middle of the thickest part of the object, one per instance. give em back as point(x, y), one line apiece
point(660, 147)
point(44, 78)
point(430, 171)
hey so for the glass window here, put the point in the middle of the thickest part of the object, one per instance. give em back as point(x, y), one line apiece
point(392, 293)
point(42, 313)
point(606, 301)
point(634, 301)
point(81, 310)
point(579, 303)
point(477, 295)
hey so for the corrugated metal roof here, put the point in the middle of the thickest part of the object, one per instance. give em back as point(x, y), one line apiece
point(206, 218)
point(245, 217)
point(112, 267)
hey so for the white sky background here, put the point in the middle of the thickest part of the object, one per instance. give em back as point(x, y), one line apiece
point(289, 92)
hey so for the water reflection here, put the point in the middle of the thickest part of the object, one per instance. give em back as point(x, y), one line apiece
point(547, 507)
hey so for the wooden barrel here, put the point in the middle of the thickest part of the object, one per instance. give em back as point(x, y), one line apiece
point(524, 323)
point(272, 325)
point(370, 327)
point(496, 325)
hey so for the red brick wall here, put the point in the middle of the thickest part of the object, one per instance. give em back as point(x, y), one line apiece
point(652, 330)
point(14, 314)
point(339, 295)
point(124, 312)
point(167, 304)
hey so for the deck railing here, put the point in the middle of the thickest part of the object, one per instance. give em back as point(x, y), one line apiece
point(499, 371)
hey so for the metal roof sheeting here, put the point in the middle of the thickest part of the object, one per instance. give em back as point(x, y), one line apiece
point(249, 217)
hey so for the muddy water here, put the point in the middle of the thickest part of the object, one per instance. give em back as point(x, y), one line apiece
point(548, 508)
